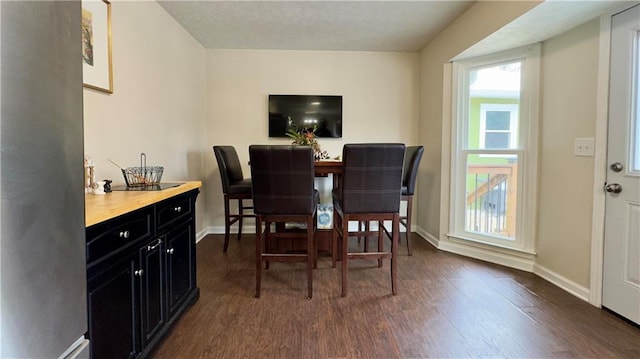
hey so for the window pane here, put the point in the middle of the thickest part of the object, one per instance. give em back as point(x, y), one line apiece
point(498, 120)
point(494, 140)
point(493, 104)
point(491, 192)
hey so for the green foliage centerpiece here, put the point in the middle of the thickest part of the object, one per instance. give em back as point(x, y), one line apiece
point(307, 137)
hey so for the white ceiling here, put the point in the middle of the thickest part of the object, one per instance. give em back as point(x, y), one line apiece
point(315, 25)
point(392, 25)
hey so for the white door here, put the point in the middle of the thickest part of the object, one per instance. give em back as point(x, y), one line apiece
point(621, 277)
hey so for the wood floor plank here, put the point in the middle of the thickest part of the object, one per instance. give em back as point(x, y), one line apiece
point(447, 306)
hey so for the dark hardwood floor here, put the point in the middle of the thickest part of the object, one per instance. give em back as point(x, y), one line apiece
point(447, 306)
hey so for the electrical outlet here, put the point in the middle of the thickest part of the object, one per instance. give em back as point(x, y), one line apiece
point(584, 147)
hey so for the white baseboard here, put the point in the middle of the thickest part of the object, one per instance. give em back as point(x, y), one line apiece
point(427, 237)
point(488, 255)
point(562, 282)
point(203, 232)
point(521, 262)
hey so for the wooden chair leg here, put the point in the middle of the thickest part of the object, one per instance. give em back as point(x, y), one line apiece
point(227, 224)
point(258, 254)
point(334, 241)
point(240, 216)
point(267, 241)
point(408, 226)
point(380, 241)
point(315, 253)
point(366, 239)
point(310, 257)
point(345, 253)
point(394, 252)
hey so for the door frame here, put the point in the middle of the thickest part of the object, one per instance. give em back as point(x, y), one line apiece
point(600, 159)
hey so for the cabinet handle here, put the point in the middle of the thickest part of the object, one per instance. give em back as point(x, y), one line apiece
point(178, 209)
point(139, 272)
point(152, 247)
point(124, 234)
point(170, 250)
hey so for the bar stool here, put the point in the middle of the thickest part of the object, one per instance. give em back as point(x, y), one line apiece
point(369, 191)
point(283, 191)
point(234, 186)
point(412, 157)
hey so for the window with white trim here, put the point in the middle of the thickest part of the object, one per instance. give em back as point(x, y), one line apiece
point(494, 146)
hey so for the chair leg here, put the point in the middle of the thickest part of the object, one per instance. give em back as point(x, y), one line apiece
point(380, 241)
point(408, 226)
point(310, 256)
point(315, 253)
point(394, 252)
point(345, 253)
point(267, 241)
point(334, 241)
point(315, 249)
point(258, 254)
point(227, 224)
point(240, 216)
point(334, 246)
point(366, 239)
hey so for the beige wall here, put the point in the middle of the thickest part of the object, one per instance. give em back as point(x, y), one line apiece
point(158, 104)
point(380, 100)
point(568, 111)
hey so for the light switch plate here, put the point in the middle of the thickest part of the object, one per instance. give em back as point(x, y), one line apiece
point(584, 147)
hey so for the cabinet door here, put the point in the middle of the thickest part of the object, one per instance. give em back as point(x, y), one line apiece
point(153, 308)
point(113, 316)
point(181, 275)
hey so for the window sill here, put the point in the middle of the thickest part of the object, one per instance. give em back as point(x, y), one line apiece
point(474, 242)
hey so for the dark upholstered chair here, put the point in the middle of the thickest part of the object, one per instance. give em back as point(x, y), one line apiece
point(369, 191)
point(283, 191)
point(412, 158)
point(234, 186)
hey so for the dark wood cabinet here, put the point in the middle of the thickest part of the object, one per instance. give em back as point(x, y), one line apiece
point(141, 276)
point(152, 295)
point(181, 274)
point(113, 311)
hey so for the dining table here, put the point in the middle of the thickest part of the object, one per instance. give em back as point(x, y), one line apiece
point(324, 168)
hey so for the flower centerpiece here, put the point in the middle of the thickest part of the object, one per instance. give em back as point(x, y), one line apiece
point(307, 137)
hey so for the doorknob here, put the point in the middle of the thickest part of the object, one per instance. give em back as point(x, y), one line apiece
point(613, 188)
point(616, 167)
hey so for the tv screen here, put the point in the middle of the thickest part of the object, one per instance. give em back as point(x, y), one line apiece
point(305, 112)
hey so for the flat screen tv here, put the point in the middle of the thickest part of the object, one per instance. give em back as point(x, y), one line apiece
point(305, 112)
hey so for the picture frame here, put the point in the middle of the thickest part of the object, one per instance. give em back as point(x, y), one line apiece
point(97, 70)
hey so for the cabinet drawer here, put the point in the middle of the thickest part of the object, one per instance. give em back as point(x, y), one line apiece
point(173, 209)
point(110, 237)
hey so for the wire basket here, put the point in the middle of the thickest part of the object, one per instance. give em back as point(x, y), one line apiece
point(144, 175)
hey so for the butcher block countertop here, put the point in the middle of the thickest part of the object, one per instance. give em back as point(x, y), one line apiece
point(99, 208)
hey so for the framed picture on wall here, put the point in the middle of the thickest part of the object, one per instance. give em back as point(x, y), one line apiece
point(97, 71)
